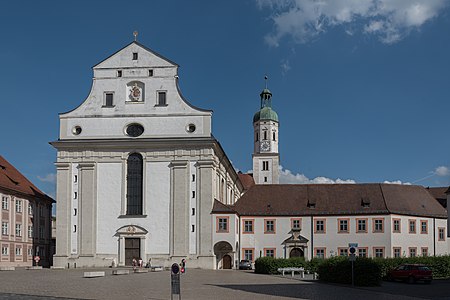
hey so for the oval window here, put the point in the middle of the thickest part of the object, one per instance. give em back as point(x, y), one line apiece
point(76, 130)
point(135, 130)
point(190, 128)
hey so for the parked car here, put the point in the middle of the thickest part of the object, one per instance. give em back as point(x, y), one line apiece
point(411, 273)
point(245, 265)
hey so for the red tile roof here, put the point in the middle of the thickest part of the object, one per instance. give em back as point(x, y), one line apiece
point(12, 181)
point(338, 199)
point(219, 207)
point(439, 193)
point(247, 180)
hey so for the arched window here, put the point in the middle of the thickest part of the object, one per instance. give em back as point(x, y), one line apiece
point(134, 184)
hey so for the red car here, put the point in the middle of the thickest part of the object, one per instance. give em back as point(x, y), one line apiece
point(411, 273)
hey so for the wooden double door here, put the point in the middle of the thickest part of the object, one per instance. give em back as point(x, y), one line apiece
point(132, 250)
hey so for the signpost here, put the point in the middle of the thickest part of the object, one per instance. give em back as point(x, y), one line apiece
point(175, 282)
point(352, 249)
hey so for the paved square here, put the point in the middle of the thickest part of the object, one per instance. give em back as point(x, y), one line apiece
point(195, 284)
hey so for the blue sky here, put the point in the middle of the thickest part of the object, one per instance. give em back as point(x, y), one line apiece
point(361, 87)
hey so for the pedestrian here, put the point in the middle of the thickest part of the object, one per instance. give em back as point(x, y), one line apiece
point(149, 264)
point(140, 262)
point(134, 263)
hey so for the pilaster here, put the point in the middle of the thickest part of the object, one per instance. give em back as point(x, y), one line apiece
point(179, 232)
point(88, 209)
point(62, 213)
point(205, 203)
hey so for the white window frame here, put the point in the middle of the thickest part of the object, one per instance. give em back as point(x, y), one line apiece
point(18, 229)
point(18, 206)
point(4, 228)
point(5, 203)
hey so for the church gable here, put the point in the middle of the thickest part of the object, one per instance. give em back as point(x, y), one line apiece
point(135, 93)
point(140, 56)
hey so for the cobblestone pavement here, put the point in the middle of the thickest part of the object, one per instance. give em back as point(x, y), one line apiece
point(195, 284)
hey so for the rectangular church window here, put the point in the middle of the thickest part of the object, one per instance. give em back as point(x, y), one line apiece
point(119, 73)
point(162, 99)
point(135, 56)
point(109, 99)
point(150, 73)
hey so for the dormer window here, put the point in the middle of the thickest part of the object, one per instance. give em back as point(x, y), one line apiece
point(135, 56)
point(365, 202)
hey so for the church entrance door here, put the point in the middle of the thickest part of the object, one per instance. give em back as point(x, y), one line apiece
point(296, 252)
point(226, 262)
point(132, 250)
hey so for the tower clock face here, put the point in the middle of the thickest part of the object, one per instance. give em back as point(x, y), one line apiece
point(265, 146)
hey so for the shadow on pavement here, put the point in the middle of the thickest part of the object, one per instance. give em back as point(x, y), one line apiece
point(304, 291)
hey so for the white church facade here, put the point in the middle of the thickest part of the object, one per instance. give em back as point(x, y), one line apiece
point(140, 175)
point(138, 169)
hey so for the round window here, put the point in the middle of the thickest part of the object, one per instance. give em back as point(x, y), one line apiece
point(76, 130)
point(135, 130)
point(190, 128)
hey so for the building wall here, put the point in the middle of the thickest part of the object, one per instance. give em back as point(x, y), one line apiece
point(18, 248)
point(332, 240)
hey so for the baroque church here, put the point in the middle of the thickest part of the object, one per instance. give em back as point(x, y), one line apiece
point(140, 175)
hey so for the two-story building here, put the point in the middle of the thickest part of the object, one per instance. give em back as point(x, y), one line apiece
point(26, 220)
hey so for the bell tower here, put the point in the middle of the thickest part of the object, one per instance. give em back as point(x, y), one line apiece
point(266, 159)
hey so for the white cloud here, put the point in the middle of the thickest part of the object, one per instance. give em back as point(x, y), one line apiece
point(48, 178)
point(285, 66)
point(442, 171)
point(388, 20)
point(397, 182)
point(287, 177)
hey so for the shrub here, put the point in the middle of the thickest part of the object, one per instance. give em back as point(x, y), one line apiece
point(270, 265)
point(338, 269)
point(439, 264)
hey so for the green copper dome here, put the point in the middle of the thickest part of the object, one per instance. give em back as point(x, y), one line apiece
point(266, 113)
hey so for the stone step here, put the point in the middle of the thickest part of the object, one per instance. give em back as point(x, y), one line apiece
point(94, 274)
point(157, 269)
point(34, 268)
point(7, 268)
point(57, 268)
point(121, 272)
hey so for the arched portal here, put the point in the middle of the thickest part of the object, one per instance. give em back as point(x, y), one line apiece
point(224, 255)
point(297, 252)
point(226, 262)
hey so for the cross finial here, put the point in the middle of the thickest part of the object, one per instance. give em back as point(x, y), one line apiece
point(265, 78)
point(135, 33)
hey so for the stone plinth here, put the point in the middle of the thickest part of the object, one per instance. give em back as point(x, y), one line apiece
point(121, 272)
point(94, 274)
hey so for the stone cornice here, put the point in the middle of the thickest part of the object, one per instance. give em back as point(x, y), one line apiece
point(136, 143)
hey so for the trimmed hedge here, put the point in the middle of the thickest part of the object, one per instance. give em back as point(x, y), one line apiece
point(270, 265)
point(338, 269)
point(439, 264)
point(367, 271)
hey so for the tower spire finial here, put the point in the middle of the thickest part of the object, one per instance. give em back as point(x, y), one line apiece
point(135, 33)
point(265, 79)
